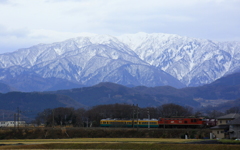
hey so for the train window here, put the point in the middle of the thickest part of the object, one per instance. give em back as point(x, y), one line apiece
point(193, 120)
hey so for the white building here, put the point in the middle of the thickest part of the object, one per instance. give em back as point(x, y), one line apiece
point(12, 123)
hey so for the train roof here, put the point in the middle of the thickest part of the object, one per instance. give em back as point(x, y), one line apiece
point(129, 119)
point(181, 118)
point(229, 116)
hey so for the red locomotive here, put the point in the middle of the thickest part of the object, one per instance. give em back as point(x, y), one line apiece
point(181, 122)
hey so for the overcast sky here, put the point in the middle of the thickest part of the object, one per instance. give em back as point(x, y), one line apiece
point(24, 23)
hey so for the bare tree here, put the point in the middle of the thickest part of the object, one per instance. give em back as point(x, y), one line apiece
point(214, 114)
point(64, 116)
point(61, 116)
point(44, 117)
point(152, 111)
point(233, 110)
point(99, 112)
point(80, 116)
point(174, 110)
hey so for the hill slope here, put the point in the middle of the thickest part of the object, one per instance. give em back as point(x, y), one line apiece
point(4, 88)
point(215, 93)
point(220, 91)
point(35, 102)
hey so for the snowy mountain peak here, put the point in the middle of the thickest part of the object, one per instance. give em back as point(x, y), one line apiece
point(131, 59)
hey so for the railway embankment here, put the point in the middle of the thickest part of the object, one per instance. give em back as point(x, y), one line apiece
point(62, 133)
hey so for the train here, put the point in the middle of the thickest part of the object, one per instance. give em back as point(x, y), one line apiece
point(159, 123)
point(181, 122)
point(142, 123)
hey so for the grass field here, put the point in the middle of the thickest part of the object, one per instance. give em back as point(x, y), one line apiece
point(113, 143)
point(94, 140)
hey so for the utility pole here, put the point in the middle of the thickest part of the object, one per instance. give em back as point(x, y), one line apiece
point(137, 116)
point(148, 119)
point(18, 116)
point(53, 118)
point(133, 116)
point(14, 120)
point(87, 122)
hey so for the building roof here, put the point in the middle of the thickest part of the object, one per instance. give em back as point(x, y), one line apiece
point(229, 116)
point(235, 121)
point(220, 127)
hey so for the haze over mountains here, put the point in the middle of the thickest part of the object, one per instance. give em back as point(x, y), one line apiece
point(132, 59)
point(224, 91)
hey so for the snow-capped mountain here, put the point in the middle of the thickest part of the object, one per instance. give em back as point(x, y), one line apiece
point(133, 59)
point(192, 61)
point(84, 60)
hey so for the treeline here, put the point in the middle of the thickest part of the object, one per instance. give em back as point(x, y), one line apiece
point(82, 117)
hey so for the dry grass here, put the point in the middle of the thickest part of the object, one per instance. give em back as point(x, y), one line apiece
point(145, 146)
point(96, 140)
point(113, 143)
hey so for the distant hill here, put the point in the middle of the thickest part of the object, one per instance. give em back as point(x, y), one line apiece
point(7, 115)
point(229, 80)
point(4, 88)
point(220, 91)
point(34, 102)
point(227, 105)
point(109, 93)
point(226, 88)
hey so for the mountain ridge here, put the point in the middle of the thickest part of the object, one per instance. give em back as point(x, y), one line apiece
point(221, 92)
point(213, 94)
point(133, 59)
